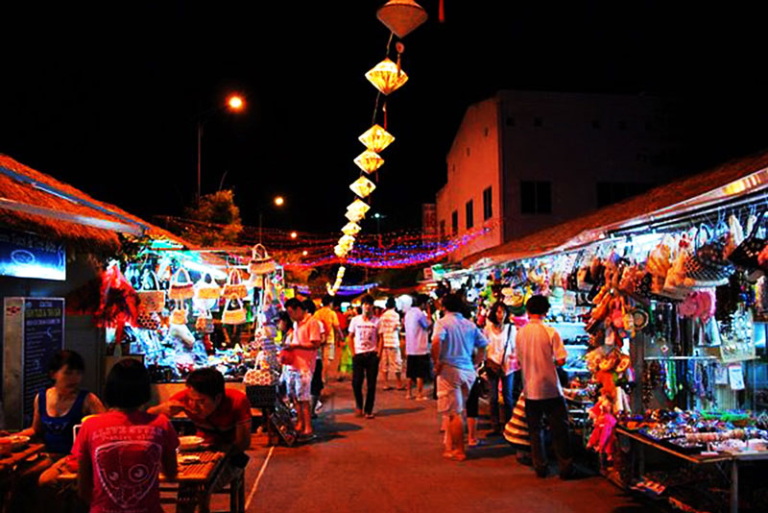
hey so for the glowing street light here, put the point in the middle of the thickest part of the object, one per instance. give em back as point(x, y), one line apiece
point(305, 252)
point(294, 235)
point(235, 102)
point(279, 201)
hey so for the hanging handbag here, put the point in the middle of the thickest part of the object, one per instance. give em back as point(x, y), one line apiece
point(261, 263)
point(235, 285)
point(234, 311)
point(181, 285)
point(151, 298)
point(746, 254)
point(179, 315)
point(207, 288)
point(204, 323)
point(707, 267)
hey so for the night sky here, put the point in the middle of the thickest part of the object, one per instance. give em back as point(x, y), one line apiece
point(105, 98)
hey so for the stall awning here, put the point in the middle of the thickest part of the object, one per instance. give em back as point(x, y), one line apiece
point(733, 179)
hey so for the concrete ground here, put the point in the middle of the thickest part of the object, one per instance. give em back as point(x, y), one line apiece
point(394, 463)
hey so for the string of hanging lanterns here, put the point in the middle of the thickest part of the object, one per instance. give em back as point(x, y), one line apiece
point(401, 17)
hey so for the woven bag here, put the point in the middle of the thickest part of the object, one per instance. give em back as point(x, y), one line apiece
point(746, 254)
point(151, 298)
point(181, 285)
point(207, 288)
point(179, 316)
point(204, 323)
point(235, 285)
point(234, 311)
point(261, 263)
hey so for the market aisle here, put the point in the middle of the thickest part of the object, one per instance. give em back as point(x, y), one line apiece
point(394, 463)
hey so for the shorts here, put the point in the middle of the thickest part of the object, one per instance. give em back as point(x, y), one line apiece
point(391, 361)
point(328, 351)
point(453, 386)
point(417, 366)
point(299, 383)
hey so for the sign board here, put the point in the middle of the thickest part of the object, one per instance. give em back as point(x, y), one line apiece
point(24, 255)
point(429, 219)
point(33, 331)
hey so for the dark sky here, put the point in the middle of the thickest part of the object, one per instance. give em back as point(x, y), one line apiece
point(104, 98)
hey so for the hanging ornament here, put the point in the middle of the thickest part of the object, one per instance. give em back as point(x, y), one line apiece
point(347, 241)
point(369, 161)
point(387, 77)
point(341, 252)
point(401, 16)
point(362, 187)
point(357, 209)
point(351, 229)
point(376, 139)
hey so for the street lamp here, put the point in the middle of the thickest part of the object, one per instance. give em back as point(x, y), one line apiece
point(294, 235)
point(278, 201)
point(235, 103)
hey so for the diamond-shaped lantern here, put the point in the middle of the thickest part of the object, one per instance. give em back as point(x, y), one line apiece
point(351, 229)
point(369, 161)
point(340, 252)
point(386, 77)
point(357, 209)
point(401, 16)
point(376, 139)
point(362, 187)
point(347, 242)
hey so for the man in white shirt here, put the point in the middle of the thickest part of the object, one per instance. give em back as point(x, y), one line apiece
point(539, 349)
point(307, 334)
point(389, 333)
point(417, 324)
point(366, 349)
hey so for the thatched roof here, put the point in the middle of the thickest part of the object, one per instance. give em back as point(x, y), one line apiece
point(31, 201)
point(717, 184)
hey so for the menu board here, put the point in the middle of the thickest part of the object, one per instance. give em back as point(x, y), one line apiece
point(43, 335)
point(25, 255)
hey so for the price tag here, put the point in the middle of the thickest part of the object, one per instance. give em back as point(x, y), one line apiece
point(721, 375)
point(736, 377)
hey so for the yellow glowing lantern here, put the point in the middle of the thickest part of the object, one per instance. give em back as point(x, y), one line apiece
point(362, 187)
point(369, 161)
point(357, 209)
point(376, 139)
point(351, 229)
point(353, 216)
point(340, 252)
point(347, 242)
point(401, 16)
point(386, 77)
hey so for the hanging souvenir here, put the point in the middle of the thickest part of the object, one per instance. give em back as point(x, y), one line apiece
point(204, 322)
point(234, 311)
point(261, 263)
point(207, 288)
point(149, 320)
point(745, 255)
point(235, 285)
point(151, 298)
point(179, 314)
point(181, 285)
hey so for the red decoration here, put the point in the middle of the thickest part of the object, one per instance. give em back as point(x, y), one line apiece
point(118, 303)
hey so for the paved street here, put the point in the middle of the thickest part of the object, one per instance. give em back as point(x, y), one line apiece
point(394, 463)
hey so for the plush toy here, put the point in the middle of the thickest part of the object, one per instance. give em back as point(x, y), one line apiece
point(603, 435)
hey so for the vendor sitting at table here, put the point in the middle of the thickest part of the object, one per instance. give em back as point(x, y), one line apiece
point(221, 415)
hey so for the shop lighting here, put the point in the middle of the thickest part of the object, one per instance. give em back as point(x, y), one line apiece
point(200, 268)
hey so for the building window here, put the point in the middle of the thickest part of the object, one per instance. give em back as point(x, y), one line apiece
point(486, 131)
point(453, 168)
point(538, 122)
point(442, 229)
point(487, 204)
point(467, 151)
point(510, 121)
point(535, 197)
point(455, 222)
point(470, 211)
point(596, 123)
point(609, 193)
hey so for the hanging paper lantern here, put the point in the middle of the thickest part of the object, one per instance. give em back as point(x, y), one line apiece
point(386, 77)
point(347, 241)
point(362, 187)
point(351, 229)
point(369, 161)
point(376, 139)
point(401, 16)
point(341, 252)
point(354, 217)
point(357, 209)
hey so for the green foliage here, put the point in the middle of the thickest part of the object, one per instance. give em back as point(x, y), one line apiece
point(218, 220)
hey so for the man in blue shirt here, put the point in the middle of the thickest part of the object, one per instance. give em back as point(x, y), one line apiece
point(454, 341)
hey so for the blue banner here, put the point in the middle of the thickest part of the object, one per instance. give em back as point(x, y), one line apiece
point(25, 255)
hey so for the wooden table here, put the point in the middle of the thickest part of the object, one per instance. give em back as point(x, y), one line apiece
point(8, 466)
point(733, 459)
point(195, 479)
